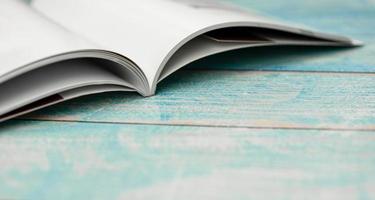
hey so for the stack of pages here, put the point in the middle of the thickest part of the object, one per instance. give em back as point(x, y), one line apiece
point(55, 50)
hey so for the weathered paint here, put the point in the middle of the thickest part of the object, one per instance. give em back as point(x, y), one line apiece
point(50, 160)
point(316, 138)
point(237, 99)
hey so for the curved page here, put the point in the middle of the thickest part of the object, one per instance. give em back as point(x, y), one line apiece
point(52, 80)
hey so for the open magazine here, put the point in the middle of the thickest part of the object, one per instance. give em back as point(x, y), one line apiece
point(55, 50)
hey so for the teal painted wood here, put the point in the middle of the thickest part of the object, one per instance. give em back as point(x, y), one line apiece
point(49, 160)
point(58, 160)
point(349, 17)
point(237, 99)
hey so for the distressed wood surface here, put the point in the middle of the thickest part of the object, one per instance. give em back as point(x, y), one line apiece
point(237, 99)
point(49, 160)
point(269, 123)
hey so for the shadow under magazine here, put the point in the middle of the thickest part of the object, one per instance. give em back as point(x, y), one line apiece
point(280, 58)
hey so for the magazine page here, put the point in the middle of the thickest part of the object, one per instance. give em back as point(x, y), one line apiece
point(26, 37)
point(58, 78)
point(149, 32)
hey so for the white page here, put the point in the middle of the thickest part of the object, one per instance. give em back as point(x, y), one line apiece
point(55, 78)
point(148, 31)
point(26, 37)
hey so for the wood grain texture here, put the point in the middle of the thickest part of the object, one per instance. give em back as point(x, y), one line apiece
point(237, 99)
point(49, 160)
point(240, 134)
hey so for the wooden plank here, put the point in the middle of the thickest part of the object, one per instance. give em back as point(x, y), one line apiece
point(49, 160)
point(237, 99)
point(319, 13)
point(350, 17)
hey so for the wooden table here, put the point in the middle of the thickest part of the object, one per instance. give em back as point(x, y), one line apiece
point(267, 123)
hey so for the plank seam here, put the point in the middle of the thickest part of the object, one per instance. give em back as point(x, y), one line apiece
point(202, 126)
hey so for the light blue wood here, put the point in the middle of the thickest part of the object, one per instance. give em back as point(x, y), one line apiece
point(237, 99)
point(315, 136)
point(49, 160)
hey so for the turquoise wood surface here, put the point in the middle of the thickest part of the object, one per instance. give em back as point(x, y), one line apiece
point(49, 160)
point(269, 123)
point(237, 99)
